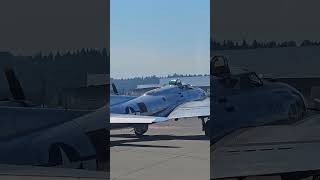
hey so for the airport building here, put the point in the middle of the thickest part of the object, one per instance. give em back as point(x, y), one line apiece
point(97, 79)
point(91, 97)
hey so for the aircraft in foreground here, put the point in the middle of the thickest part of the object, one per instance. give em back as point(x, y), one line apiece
point(33, 136)
point(261, 127)
point(241, 98)
point(290, 152)
point(173, 101)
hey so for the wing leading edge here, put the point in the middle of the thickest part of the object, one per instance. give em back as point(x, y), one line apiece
point(135, 119)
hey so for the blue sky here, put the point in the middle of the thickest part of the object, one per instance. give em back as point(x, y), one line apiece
point(159, 37)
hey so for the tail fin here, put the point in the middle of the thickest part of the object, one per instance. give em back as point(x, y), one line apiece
point(115, 90)
point(14, 84)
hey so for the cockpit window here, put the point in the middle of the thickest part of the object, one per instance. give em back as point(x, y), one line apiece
point(175, 82)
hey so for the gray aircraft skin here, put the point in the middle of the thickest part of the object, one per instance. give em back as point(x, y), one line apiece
point(53, 137)
point(242, 99)
point(158, 102)
point(35, 136)
point(78, 139)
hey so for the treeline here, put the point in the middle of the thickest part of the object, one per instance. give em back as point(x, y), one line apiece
point(53, 72)
point(155, 78)
point(185, 75)
point(127, 84)
point(70, 55)
point(238, 45)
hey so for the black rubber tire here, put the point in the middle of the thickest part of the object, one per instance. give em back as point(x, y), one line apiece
point(207, 130)
point(141, 129)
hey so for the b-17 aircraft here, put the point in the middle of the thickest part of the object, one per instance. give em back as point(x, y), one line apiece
point(173, 101)
point(32, 136)
point(241, 98)
point(261, 127)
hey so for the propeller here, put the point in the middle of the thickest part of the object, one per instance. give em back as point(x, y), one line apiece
point(114, 88)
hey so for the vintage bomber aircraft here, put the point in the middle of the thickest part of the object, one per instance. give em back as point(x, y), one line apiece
point(173, 101)
point(289, 152)
point(265, 134)
point(240, 98)
point(34, 136)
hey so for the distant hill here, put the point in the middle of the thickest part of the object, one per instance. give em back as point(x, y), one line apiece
point(125, 85)
point(287, 61)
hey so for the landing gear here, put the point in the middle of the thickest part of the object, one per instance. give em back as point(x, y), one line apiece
point(139, 130)
point(206, 126)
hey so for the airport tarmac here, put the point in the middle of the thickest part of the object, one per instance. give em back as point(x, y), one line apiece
point(15, 172)
point(169, 150)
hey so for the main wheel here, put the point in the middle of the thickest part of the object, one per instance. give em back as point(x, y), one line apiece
point(140, 129)
point(207, 130)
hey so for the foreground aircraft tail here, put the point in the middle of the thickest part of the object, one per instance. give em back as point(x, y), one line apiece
point(14, 85)
point(114, 88)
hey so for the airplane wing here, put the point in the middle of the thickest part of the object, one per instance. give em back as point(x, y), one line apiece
point(192, 109)
point(135, 119)
point(268, 150)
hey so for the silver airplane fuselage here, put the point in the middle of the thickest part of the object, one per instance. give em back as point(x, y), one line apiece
point(159, 102)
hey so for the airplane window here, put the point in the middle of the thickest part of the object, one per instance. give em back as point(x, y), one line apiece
point(175, 82)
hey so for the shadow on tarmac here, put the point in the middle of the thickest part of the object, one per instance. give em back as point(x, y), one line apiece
point(146, 138)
